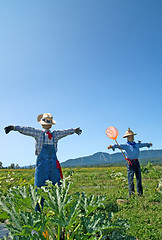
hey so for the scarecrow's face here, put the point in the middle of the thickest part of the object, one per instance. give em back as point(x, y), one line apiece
point(47, 127)
point(130, 138)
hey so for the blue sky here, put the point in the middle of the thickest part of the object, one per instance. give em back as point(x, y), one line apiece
point(92, 64)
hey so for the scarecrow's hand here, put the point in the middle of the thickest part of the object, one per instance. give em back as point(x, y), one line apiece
point(8, 129)
point(110, 146)
point(78, 131)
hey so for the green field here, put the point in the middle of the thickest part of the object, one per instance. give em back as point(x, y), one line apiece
point(142, 214)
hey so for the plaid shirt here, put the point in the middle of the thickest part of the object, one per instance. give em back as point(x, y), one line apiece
point(38, 135)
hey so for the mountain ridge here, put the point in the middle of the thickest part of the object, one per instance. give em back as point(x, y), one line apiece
point(103, 158)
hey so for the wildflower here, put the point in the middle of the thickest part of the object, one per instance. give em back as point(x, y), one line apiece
point(46, 235)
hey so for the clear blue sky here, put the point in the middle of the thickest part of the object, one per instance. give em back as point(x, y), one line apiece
point(90, 63)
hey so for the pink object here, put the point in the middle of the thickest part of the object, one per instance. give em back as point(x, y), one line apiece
point(112, 132)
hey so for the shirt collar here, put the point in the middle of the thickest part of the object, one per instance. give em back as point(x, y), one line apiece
point(45, 130)
point(132, 143)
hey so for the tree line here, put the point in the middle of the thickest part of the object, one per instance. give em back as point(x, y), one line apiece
point(13, 166)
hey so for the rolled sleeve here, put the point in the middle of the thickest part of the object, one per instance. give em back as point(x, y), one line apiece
point(114, 146)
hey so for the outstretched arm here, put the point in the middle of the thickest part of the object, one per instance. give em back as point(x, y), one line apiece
point(122, 146)
point(140, 145)
point(24, 130)
point(58, 134)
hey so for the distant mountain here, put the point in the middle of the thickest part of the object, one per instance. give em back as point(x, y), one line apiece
point(102, 158)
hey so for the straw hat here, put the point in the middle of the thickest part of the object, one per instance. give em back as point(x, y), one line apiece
point(45, 119)
point(129, 133)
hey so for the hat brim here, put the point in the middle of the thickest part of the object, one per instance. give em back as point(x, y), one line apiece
point(128, 135)
point(39, 117)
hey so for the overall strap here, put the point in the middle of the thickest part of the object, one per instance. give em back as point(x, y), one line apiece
point(43, 137)
point(53, 138)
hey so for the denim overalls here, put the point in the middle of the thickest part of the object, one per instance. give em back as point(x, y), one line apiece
point(47, 165)
point(131, 169)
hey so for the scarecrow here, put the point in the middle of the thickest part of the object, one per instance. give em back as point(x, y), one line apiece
point(131, 155)
point(47, 165)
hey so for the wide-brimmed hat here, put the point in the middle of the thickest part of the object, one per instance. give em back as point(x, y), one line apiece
point(129, 133)
point(45, 119)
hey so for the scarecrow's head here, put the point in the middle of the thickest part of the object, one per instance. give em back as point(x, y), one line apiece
point(130, 135)
point(46, 120)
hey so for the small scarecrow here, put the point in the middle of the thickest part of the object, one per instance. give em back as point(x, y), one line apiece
point(47, 164)
point(131, 155)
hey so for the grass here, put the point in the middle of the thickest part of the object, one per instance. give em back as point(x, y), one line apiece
point(143, 213)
